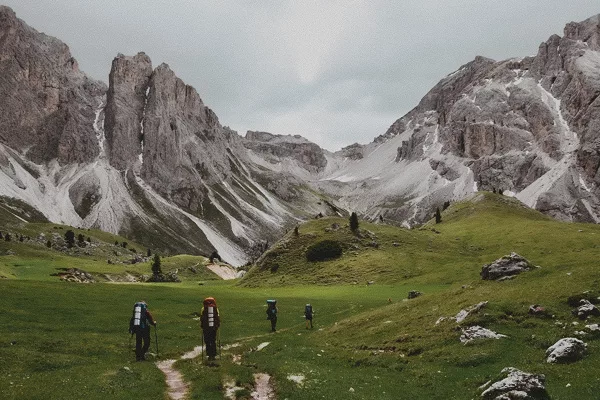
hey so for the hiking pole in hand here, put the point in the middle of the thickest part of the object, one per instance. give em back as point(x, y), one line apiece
point(156, 338)
point(219, 342)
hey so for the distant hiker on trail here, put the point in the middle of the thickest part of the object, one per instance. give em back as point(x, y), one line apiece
point(308, 314)
point(210, 322)
point(272, 313)
point(140, 325)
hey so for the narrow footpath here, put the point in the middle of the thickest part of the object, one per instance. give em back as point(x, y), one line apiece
point(178, 389)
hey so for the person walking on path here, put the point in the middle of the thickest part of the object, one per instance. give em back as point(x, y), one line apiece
point(272, 313)
point(139, 324)
point(308, 314)
point(210, 322)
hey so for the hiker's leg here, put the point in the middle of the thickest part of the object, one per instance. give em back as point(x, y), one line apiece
point(146, 341)
point(210, 338)
point(273, 324)
point(138, 346)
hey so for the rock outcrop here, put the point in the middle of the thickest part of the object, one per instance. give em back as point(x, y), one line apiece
point(566, 350)
point(477, 332)
point(517, 385)
point(506, 266)
point(278, 148)
point(124, 112)
point(586, 309)
point(75, 275)
point(48, 105)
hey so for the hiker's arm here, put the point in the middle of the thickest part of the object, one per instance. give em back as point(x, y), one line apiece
point(150, 318)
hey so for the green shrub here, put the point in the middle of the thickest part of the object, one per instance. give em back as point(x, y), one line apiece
point(324, 250)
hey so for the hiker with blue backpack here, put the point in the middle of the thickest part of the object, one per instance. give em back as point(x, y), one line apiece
point(308, 314)
point(140, 325)
point(272, 313)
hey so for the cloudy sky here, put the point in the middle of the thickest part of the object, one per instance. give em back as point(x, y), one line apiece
point(336, 72)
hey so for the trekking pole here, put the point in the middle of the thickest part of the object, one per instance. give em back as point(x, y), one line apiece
point(219, 340)
point(156, 338)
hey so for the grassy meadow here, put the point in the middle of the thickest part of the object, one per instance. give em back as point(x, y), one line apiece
point(63, 340)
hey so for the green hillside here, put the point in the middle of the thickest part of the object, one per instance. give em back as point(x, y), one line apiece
point(369, 341)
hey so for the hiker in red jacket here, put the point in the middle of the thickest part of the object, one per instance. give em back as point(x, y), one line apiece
point(210, 322)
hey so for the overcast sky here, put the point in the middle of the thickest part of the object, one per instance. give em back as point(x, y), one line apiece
point(335, 72)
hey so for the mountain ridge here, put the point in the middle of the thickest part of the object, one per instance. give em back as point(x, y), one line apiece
point(145, 157)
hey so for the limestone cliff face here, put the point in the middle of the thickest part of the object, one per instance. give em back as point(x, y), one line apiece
point(275, 148)
point(185, 146)
point(125, 102)
point(48, 106)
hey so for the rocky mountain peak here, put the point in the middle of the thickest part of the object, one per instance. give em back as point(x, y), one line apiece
point(40, 75)
point(587, 31)
point(125, 102)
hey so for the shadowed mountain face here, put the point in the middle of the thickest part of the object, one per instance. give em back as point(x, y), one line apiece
point(146, 158)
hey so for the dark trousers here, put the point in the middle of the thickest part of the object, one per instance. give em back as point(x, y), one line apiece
point(142, 335)
point(273, 323)
point(210, 341)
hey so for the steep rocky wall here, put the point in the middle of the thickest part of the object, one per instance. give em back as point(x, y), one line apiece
point(125, 102)
point(48, 106)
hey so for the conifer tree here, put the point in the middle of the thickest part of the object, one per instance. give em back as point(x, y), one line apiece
point(156, 270)
point(353, 222)
point(70, 238)
point(438, 216)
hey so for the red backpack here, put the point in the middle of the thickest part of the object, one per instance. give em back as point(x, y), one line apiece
point(210, 314)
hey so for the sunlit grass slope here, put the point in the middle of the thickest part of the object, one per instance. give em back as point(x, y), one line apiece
point(404, 336)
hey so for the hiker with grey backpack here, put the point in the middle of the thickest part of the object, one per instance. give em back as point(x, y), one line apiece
point(139, 324)
point(272, 314)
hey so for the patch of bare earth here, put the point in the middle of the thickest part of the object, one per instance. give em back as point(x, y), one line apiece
point(178, 389)
point(225, 272)
point(262, 388)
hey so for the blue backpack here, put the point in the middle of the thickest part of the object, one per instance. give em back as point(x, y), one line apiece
point(308, 311)
point(138, 319)
point(271, 309)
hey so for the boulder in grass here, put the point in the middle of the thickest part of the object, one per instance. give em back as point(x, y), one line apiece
point(504, 267)
point(566, 350)
point(477, 332)
point(586, 309)
point(517, 385)
point(413, 294)
point(595, 328)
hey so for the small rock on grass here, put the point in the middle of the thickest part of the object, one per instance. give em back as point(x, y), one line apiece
point(566, 350)
point(517, 385)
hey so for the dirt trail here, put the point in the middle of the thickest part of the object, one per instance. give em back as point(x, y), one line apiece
point(178, 388)
point(262, 388)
